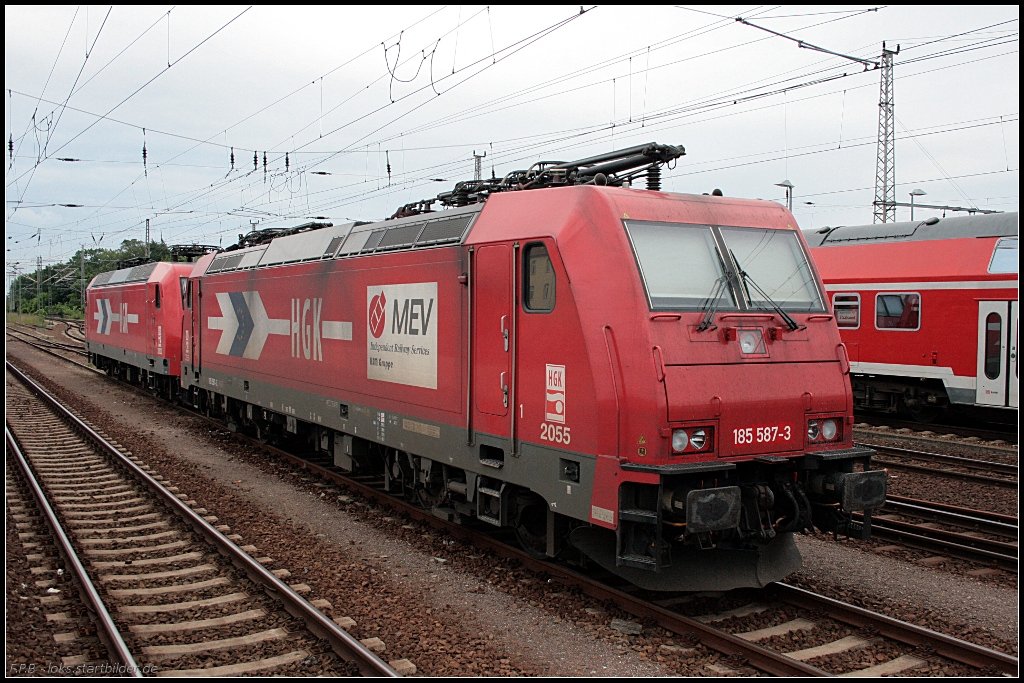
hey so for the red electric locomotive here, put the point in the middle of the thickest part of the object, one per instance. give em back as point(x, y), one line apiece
point(653, 379)
point(928, 311)
point(133, 324)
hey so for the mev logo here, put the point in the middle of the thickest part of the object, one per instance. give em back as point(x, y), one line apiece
point(411, 317)
point(375, 316)
point(403, 322)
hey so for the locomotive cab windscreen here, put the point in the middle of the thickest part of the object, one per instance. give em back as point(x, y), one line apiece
point(691, 267)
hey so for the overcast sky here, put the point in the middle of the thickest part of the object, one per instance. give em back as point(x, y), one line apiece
point(334, 96)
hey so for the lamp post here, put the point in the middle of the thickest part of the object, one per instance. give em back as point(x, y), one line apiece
point(915, 193)
point(810, 204)
point(789, 192)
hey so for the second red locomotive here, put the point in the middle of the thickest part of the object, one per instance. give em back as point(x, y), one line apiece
point(653, 379)
point(134, 322)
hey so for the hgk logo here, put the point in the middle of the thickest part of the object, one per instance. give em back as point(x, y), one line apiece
point(554, 401)
point(105, 316)
point(305, 336)
point(245, 326)
point(126, 318)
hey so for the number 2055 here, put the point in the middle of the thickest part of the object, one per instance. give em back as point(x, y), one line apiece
point(555, 433)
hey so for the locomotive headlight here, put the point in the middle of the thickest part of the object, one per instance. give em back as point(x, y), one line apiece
point(813, 430)
point(829, 429)
point(698, 439)
point(679, 440)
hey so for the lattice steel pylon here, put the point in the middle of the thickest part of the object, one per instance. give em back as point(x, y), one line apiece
point(885, 164)
point(477, 165)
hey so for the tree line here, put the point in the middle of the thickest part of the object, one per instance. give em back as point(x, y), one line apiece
point(59, 288)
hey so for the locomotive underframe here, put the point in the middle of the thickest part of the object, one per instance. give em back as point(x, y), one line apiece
point(718, 526)
point(434, 464)
point(743, 504)
point(542, 494)
point(745, 512)
point(149, 372)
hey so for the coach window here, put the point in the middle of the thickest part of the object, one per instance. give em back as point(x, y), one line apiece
point(993, 345)
point(898, 311)
point(539, 280)
point(847, 310)
point(1004, 257)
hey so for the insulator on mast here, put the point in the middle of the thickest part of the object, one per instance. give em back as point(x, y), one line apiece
point(654, 177)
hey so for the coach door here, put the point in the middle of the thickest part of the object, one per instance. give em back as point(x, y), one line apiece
point(493, 329)
point(997, 353)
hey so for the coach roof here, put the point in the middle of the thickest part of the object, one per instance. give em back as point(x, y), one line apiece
point(982, 225)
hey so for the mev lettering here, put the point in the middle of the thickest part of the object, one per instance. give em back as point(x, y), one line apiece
point(413, 318)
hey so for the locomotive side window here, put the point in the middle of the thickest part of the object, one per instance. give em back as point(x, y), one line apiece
point(679, 265)
point(1004, 257)
point(898, 311)
point(156, 296)
point(847, 310)
point(993, 345)
point(538, 279)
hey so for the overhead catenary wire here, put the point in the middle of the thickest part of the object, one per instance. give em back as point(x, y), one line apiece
point(366, 145)
point(142, 176)
point(143, 86)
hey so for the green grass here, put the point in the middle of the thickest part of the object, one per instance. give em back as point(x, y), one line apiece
point(26, 319)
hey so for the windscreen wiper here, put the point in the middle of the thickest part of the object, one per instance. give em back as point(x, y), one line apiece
point(710, 304)
point(748, 282)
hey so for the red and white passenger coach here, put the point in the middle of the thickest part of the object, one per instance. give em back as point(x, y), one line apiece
point(928, 310)
point(653, 379)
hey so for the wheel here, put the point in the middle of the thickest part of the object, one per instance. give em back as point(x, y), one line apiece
point(531, 527)
point(921, 412)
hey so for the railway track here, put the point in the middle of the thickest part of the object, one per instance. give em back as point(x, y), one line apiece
point(73, 329)
point(740, 646)
point(1003, 432)
point(893, 646)
point(173, 595)
point(48, 589)
point(30, 335)
point(974, 535)
point(987, 472)
point(43, 346)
